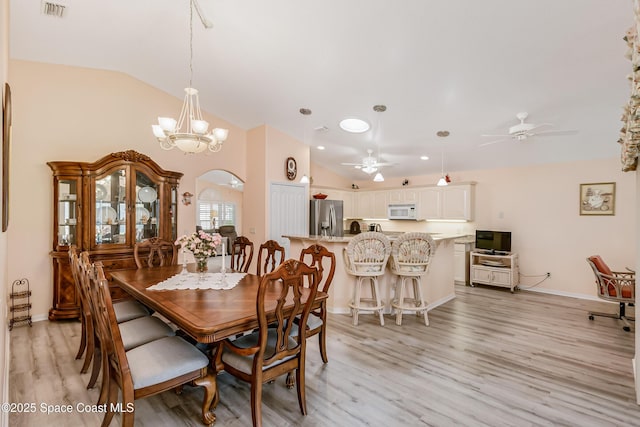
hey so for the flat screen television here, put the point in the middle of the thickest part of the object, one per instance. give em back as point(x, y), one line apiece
point(493, 241)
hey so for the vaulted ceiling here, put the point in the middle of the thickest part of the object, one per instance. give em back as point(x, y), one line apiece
point(467, 67)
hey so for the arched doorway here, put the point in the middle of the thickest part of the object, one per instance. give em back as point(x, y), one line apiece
point(219, 200)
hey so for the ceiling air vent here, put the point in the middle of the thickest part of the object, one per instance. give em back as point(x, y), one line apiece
point(53, 9)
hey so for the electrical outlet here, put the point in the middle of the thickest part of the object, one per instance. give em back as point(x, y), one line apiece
point(548, 274)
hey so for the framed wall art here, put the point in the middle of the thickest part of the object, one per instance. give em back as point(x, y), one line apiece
point(598, 198)
point(6, 153)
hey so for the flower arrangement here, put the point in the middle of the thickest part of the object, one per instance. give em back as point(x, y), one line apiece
point(201, 244)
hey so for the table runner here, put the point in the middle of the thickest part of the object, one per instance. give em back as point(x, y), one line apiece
point(195, 281)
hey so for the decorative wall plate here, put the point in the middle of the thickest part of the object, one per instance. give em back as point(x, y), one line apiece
point(142, 215)
point(106, 215)
point(147, 194)
point(291, 168)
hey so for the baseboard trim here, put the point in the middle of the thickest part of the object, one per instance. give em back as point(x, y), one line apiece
point(562, 293)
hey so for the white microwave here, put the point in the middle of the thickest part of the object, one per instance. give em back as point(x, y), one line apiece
point(402, 211)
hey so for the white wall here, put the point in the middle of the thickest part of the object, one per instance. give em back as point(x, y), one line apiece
point(4, 289)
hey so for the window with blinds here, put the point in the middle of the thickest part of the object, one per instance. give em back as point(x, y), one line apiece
point(213, 214)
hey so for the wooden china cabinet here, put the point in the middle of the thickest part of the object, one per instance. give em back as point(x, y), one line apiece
point(106, 207)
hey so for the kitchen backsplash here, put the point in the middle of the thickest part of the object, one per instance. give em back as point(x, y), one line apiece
point(423, 226)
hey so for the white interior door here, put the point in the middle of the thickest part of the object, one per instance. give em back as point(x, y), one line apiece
point(289, 212)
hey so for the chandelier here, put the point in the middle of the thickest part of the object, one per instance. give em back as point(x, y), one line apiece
point(196, 137)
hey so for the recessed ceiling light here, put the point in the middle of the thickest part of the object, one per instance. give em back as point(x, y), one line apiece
point(320, 147)
point(424, 157)
point(354, 125)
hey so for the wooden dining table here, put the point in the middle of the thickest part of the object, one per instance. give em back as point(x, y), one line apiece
point(207, 315)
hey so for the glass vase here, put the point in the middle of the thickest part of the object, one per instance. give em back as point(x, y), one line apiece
point(201, 266)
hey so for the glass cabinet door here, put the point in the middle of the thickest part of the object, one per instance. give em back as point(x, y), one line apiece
point(67, 215)
point(147, 207)
point(173, 218)
point(111, 208)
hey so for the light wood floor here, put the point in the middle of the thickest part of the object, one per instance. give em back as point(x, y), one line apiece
point(489, 358)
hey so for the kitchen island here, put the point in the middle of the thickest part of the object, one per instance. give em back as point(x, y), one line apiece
point(437, 284)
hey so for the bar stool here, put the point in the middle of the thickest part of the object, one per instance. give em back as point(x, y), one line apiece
point(410, 258)
point(365, 257)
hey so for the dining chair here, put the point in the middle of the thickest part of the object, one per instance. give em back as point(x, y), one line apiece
point(324, 260)
point(410, 257)
point(155, 252)
point(365, 258)
point(86, 333)
point(135, 332)
point(270, 256)
point(127, 310)
point(148, 369)
point(616, 286)
point(241, 254)
point(274, 349)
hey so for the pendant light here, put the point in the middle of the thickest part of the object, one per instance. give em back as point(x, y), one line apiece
point(379, 109)
point(306, 112)
point(442, 181)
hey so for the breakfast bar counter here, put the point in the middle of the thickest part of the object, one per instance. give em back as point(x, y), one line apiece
point(437, 284)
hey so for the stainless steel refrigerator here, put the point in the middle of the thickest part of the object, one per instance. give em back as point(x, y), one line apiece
point(325, 218)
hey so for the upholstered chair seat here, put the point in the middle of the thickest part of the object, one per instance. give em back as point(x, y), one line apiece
point(154, 362)
point(140, 331)
point(129, 309)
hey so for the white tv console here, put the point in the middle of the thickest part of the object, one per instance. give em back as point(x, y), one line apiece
point(495, 269)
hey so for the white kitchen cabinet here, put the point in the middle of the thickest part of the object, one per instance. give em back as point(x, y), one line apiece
point(430, 203)
point(457, 202)
point(380, 204)
point(461, 252)
point(447, 203)
point(371, 204)
point(363, 204)
point(403, 195)
point(348, 210)
point(444, 203)
point(495, 270)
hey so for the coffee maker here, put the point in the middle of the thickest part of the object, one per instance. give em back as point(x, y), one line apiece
point(375, 227)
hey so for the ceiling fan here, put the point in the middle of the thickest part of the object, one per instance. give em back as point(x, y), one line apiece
point(523, 130)
point(234, 183)
point(369, 164)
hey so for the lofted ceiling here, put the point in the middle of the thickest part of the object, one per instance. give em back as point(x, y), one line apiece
point(467, 67)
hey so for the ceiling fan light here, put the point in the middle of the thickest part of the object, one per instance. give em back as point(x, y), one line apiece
point(304, 179)
point(380, 178)
point(369, 169)
point(442, 182)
